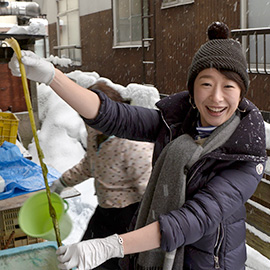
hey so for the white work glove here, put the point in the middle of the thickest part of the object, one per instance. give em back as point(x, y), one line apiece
point(57, 186)
point(36, 68)
point(91, 253)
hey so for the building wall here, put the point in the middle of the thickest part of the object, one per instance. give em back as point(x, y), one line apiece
point(48, 7)
point(95, 6)
point(120, 65)
point(180, 31)
point(52, 30)
point(259, 91)
point(11, 92)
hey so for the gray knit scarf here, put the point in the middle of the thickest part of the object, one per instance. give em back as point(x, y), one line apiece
point(167, 186)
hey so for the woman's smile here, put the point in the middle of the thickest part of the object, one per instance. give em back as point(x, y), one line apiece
point(215, 109)
point(215, 96)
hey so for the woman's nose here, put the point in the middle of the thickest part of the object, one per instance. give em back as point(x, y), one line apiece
point(217, 94)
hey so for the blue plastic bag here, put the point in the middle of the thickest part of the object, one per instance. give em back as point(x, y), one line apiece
point(20, 174)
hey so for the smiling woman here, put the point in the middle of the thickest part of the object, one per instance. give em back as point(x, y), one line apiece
point(193, 210)
point(222, 53)
point(216, 97)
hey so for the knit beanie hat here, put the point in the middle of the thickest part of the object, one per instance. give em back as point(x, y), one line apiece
point(220, 52)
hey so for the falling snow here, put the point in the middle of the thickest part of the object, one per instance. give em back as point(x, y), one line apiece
point(63, 144)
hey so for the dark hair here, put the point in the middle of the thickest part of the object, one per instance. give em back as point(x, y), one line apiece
point(107, 90)
point(236, 78)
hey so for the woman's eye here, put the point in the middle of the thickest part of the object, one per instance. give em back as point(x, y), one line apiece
point(229, 86)
point(206, 84)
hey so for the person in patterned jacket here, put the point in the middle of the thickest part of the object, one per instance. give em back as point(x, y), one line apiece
point(121, 169)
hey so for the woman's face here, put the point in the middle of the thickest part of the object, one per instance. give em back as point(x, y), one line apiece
point(215, 96)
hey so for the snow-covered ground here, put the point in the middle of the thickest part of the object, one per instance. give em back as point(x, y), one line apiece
point(63, 140)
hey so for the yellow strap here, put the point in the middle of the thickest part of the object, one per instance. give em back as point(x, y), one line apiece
point(15, 46)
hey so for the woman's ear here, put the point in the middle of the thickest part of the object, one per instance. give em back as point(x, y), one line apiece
point(192, 102)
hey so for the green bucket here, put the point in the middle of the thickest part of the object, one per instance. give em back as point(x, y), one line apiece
point(35, 219)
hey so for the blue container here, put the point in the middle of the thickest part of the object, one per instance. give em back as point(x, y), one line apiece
point(40, 256)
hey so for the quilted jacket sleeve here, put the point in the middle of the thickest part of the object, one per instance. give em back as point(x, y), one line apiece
point(219, 199)
point(126, 121)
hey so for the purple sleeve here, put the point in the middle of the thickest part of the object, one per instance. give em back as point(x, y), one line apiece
point(125, 121)
point(220, 198)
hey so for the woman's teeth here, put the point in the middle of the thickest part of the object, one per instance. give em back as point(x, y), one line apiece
point(216, 109)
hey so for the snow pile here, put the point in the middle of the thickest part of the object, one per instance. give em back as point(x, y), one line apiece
point(63, 62)
point(84, 79)
point(255, 260)
point(267, 134)
point(138, 94)
point(62, 135)
point(35, 27)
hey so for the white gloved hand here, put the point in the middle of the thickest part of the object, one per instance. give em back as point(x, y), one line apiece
point(36, 68)
point(91, 253)
point(57, 186)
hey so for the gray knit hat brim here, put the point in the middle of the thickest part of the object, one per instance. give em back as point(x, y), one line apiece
point(222, 54)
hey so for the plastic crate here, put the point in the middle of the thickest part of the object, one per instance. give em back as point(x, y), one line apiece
point(8, 127)
point(9, 221)
point(10, 233)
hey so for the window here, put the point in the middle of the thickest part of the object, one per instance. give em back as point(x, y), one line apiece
point(258, 17)
point(68, 30)
point(173, 3)
point(258, 13)
point(255, 34)
point(128, 23)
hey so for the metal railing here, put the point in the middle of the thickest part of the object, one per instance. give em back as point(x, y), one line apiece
point(256, 45)
point(258, 215)
point(72, 52)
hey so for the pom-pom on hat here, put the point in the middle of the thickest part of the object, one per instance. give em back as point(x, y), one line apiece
point(220, 52)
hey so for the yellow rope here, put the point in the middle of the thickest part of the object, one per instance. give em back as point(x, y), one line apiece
point(15, 46)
